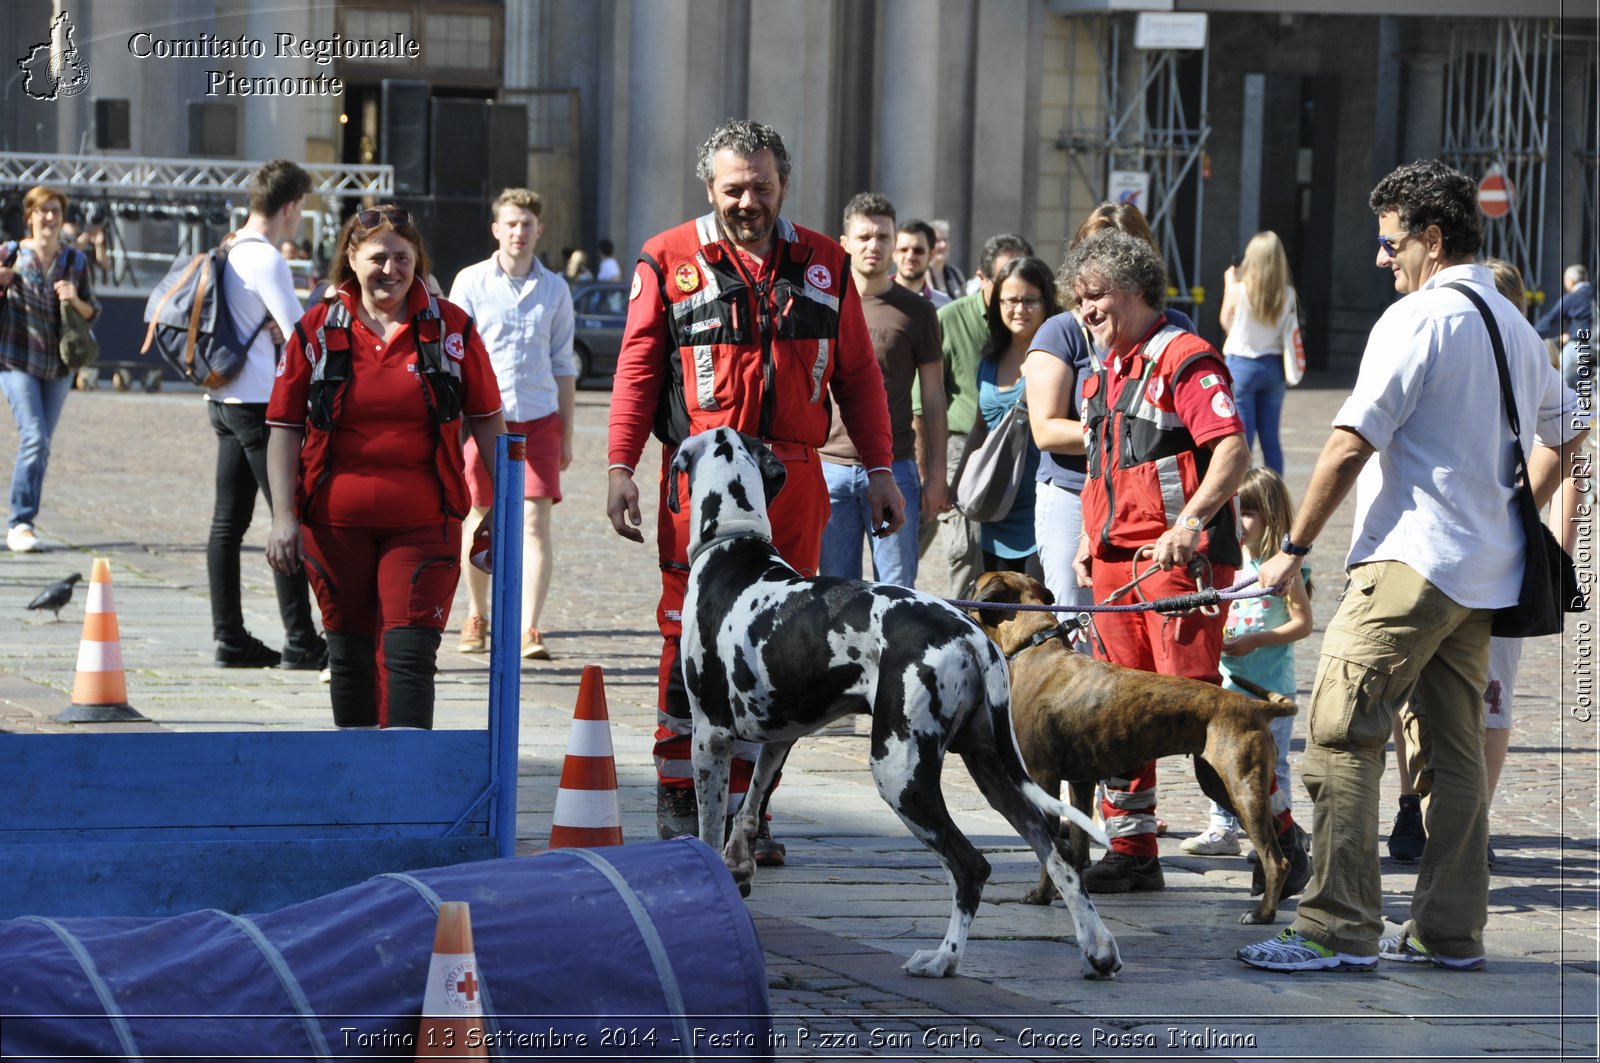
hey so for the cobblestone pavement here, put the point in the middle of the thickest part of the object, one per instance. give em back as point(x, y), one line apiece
point(130, 479)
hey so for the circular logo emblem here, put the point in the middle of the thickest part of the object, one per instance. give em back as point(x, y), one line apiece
point(687, 278)
point(454, 347)
point(1155, 390)
point(461, 988)
point(638, 286)
point(819, 277)
point(1221, 405)
point(283, 363)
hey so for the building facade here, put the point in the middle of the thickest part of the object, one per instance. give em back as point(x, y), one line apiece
point(1225, 116)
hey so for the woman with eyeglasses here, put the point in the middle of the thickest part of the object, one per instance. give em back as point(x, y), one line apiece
point(368, 489)
point(1024, 297)
point(37, 275)
point(1257, 300)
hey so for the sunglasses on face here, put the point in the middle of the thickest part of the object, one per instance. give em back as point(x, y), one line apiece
point(1387, 242)
point(371, 219)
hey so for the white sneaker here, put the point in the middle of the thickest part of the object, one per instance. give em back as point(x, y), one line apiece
point(21, 540)
point(1212, 843)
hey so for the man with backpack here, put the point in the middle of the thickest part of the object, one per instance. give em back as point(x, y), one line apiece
point(258, 289)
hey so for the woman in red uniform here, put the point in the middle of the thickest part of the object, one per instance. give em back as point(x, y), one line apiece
point(365, 464)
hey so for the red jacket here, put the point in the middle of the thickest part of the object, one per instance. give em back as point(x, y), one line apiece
point(712, 340)
point(1147, 416)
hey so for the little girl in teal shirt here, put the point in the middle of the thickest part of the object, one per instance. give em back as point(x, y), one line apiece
point(1258, 642)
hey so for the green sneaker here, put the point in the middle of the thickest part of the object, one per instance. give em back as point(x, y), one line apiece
point(1407, 948)
point(1293, 951)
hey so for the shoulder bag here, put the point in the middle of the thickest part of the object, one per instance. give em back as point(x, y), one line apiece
point(1294, 348)
point(78, 348)
point(1549, 580)
point(987, 482)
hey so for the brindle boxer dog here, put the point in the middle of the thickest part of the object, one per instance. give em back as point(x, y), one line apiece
point(770, 655)
point(1079, 719)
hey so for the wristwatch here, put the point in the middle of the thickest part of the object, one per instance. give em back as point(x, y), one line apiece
point(1189, 523)
point(1288, 546)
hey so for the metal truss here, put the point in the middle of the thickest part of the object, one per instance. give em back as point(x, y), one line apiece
point(134, 177)
point(1146, 124)
point(1497, 118)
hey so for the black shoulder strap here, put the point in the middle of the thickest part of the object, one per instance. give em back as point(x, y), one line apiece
point(1520, 478)
point(1499, 360)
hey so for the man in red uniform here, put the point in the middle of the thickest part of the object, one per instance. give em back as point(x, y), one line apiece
point(741, 318)
point(1166, 453)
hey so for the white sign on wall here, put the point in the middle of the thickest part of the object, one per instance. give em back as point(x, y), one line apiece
point(1156, 30)
point(1130, 186)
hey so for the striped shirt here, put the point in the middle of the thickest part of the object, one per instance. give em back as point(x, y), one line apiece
point(30, 327)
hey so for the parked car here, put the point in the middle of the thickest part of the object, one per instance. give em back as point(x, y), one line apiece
point(599, 310)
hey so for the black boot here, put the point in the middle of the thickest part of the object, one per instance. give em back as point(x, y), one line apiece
point(1293, 844)
point(352, 666)
point(409, 656)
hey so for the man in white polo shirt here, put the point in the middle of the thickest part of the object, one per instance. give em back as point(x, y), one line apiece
point(260, 292)
point(1425, 442)
point(524, 313)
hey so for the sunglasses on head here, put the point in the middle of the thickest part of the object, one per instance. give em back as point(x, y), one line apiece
point(371, 219)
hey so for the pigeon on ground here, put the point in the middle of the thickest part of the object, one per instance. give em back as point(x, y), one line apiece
point(56, 596)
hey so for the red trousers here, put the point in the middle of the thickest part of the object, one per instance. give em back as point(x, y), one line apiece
point(798, 515)
point(370, 581)
point(1188, 645)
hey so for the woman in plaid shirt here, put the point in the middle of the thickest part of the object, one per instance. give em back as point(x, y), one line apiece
point(39, 274)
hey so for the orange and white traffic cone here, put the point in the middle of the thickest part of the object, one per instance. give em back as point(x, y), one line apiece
point(588, 813)
point(452, 1024)
point(100, 689)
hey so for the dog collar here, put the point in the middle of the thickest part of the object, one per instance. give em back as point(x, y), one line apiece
point(718, 540)
point(1066, 627)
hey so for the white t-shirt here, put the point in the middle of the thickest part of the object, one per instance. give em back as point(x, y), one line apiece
point(608, 270)
point(1250, 337)
point(1437, 495)
point(258, 282)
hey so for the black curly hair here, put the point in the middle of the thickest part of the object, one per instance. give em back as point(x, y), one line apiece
point(1427, 192)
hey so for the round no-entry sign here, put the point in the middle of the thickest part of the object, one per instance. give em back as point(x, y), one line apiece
point(1494, 195)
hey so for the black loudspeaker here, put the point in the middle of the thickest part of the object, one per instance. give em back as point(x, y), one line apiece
point(457, 234)
point(403, 134)
point(112, 124)
point(460, 163)
point(508, 147)
point(213, 130)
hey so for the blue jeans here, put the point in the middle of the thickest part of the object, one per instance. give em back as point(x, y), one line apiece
point(1258, 388)
point(36, 406)
point(1057, 523)
point(894, 560)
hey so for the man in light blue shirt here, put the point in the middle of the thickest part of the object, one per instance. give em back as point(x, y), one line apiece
point(524, 313)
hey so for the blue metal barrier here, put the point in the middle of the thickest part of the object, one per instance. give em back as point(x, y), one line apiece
point(159, 823)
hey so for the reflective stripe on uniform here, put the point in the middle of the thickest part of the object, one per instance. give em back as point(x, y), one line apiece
point(1126, 826)
point(1170, 477)
point(705, 378)
point(818, 368)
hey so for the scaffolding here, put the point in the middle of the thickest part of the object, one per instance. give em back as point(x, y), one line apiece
point(1497, 121)
point(198, 194)
point(1144, 123)
point(150, 178)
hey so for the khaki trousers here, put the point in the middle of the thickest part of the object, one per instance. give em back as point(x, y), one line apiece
point(1398, 638)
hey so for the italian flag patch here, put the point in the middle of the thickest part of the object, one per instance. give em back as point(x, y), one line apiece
point(1210, 380)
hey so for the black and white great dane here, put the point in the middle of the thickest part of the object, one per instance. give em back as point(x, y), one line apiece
point(770, 655)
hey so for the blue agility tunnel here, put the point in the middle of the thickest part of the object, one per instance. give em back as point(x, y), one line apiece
point(640, 951)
